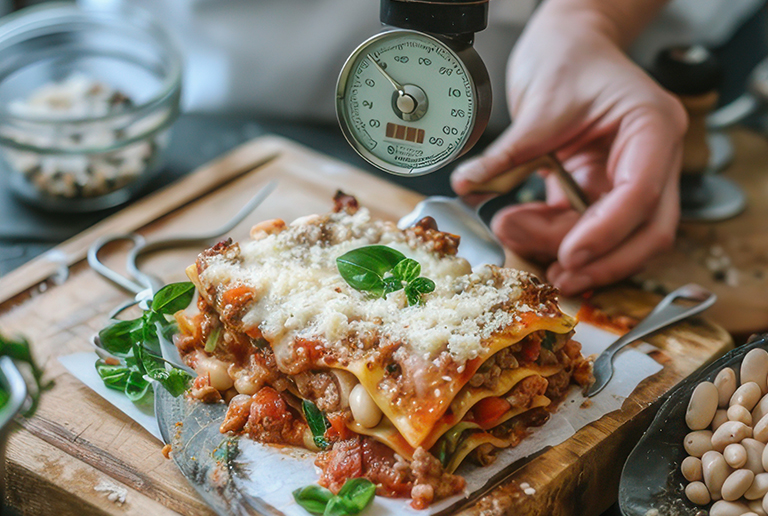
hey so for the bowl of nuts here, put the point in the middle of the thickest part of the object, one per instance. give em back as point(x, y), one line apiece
point(87, 100)
point(705, 452)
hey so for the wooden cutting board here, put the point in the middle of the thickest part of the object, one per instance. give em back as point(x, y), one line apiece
point(77, 442)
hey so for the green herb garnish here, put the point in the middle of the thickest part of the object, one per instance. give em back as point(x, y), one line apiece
point(135, 346)
point(19, 350)
point(549, 340)
point(317, 422)
point(354, 496)
point(381, 270)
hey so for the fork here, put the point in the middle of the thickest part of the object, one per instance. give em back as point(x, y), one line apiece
point(664, 314)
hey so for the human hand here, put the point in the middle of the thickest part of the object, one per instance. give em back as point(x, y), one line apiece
point(571, 89)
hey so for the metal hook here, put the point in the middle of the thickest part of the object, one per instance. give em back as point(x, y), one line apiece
point(102, 269)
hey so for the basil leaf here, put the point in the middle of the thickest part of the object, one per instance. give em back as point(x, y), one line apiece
point(118, 337)
point(313, 498)
point(213, 339)
point(317, 423)
point(413, 295)
point(173, 297)
point(392, 284)
point(364, 268)
point(423, 285)
point(113, 376)
point(174, 380)
point(357, 494)
point(136, 386)
point(407, 270)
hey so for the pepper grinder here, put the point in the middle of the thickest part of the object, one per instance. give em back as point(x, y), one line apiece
point(693, 74)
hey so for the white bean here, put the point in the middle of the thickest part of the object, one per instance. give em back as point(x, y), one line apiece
point(364, 409)
point(737, 484)
point(764, 459)
point(756, 506)
point(697, 493)
point(698, 443)
point(721, 416)
point(724, 508)
point(739, 413)
point(730, 432)
point(702, 406)
point(761, 409)
point(735, 455)
point(747, 396)
point(216, 371)
point(725, 381)
point(715, 470)
point(761, 429)
point(758, 488)
point(755, 451)
point(691, 468)
point(765, 503)
point(754, 368)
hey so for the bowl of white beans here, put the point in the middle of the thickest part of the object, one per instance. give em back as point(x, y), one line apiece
point(705, 452)
point(87, 100)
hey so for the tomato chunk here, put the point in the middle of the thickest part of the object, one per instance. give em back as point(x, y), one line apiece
point(489, 410)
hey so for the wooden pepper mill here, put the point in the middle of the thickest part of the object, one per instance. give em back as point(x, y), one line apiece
point(693, 74)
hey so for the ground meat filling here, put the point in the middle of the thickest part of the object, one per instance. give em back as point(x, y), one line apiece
point(523, 393)
point(270, 420)
point(363, 457)
point(423, 479)
point(431, 482)
point(319, 387)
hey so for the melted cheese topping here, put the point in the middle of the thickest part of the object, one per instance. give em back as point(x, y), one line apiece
point(299, 293)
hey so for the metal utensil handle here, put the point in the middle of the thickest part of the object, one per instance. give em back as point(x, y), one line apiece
point(666, 313)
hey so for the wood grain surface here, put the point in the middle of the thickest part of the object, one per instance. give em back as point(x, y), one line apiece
point(730, 258)
point(77, 441)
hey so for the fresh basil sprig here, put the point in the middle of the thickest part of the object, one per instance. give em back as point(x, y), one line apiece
point(381, 270)
point(135, 346)
point(317, 422)
point(355, 495)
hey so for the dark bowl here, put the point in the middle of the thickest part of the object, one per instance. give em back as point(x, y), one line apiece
point(651, 478)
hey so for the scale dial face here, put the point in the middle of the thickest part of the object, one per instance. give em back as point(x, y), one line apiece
point(410, 104)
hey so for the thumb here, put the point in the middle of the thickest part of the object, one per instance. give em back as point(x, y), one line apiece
point(529, 137)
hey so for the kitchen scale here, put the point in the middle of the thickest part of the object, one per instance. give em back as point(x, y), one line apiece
point(416, 96)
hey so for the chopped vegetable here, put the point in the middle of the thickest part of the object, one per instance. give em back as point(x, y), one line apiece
point(317, 422)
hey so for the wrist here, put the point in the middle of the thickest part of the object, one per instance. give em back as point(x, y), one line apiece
point(620, 21)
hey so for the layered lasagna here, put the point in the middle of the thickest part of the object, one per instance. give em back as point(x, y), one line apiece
point(406, 392)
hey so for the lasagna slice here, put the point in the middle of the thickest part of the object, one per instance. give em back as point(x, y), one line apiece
point(406, 393)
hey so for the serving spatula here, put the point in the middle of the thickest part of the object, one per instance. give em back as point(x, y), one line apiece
point(478, 243)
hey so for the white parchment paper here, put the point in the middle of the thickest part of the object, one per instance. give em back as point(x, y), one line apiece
point(275, 474)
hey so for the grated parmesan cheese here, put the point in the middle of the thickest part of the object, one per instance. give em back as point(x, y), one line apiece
point(298, 291)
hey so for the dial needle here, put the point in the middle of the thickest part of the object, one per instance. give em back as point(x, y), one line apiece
point(397, 85)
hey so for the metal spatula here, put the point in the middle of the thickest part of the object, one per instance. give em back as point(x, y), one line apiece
point(478, 244)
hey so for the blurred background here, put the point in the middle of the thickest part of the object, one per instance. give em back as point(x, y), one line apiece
point(247, 68)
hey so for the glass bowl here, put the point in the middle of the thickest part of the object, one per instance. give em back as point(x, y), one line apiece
point(87, 99)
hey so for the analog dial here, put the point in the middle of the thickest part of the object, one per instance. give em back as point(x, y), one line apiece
point(407, 102)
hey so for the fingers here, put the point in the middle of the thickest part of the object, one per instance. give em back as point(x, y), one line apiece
point(528, 137)
point(647, 153)
point(631, 255)
point(533, 230)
